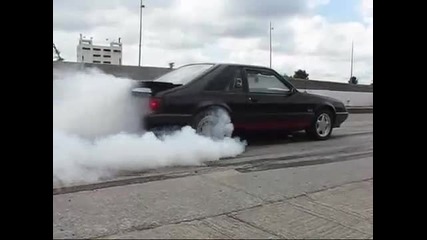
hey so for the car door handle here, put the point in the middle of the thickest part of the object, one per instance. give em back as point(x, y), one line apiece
point(254, 100)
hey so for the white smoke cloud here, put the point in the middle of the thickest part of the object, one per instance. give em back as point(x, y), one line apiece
point(96, 132)
point(94, 104)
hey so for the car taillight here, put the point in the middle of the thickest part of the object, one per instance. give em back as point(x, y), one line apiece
point(154, 104)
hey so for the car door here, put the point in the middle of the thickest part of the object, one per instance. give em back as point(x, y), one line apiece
point(235, 96)
point(271, 101)
point(226, 88)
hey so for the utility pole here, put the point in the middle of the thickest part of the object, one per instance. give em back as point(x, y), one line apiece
point(141, 6)
point(271, 28)
point(351, 67)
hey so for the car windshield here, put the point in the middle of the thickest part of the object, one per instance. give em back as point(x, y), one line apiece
point(185, 74)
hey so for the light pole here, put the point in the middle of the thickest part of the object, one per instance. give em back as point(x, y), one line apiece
point(141, 6)
point(351, 67)
point(271, 50)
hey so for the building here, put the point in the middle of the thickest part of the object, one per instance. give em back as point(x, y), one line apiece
point(89, 53)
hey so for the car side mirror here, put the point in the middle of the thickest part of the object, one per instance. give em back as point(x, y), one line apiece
point(238, 83)
point(293, 91)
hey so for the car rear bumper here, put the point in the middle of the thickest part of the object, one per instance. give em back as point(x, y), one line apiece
point(162, 120)
point(340, 117)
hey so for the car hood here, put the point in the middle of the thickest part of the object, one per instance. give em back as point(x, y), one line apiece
point(330, 99)
point(339, 105)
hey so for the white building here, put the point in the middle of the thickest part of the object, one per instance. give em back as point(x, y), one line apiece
point(89, 53)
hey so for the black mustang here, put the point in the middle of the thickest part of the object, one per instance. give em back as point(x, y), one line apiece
point(249, 97)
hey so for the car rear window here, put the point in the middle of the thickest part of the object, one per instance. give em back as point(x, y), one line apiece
point(185, 74)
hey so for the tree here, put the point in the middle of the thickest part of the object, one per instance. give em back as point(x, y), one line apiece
point(286, 76)
point(171, 64)
point(301, 74)
point(353, 80)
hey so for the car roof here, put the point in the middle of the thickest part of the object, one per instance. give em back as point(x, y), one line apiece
point(227, 64)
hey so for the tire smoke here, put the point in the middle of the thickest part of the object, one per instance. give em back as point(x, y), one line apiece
point(97, 134)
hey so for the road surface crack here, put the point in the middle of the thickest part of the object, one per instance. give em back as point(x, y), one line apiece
point(227, 214)
point(256, 227)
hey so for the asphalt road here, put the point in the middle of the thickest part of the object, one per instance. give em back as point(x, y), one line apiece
point(273, 175)
point(268, 150)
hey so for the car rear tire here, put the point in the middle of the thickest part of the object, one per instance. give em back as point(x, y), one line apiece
point(321, 127)
point(214, 122)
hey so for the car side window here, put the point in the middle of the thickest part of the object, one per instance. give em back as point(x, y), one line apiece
point(264, 82)
point(236, 83)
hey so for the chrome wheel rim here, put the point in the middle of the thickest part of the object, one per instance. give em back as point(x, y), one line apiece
point(216, 126)
point(323, 125)
point(205, 126)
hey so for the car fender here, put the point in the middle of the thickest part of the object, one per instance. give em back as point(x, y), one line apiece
point(326, 105)
point(207, 104)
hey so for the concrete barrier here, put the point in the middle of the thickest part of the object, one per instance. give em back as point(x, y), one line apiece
point(353, 96)
point(331, 86)
point(131, 72)
point(350, 94)
point(350, 99)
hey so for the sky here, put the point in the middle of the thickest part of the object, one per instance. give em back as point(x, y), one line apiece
point(313, 35)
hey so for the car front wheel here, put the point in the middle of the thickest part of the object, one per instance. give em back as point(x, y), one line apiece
point(321, 128)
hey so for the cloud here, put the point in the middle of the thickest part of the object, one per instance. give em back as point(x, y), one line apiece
point(367, 9)
point(186, 31)
point(267, 8)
